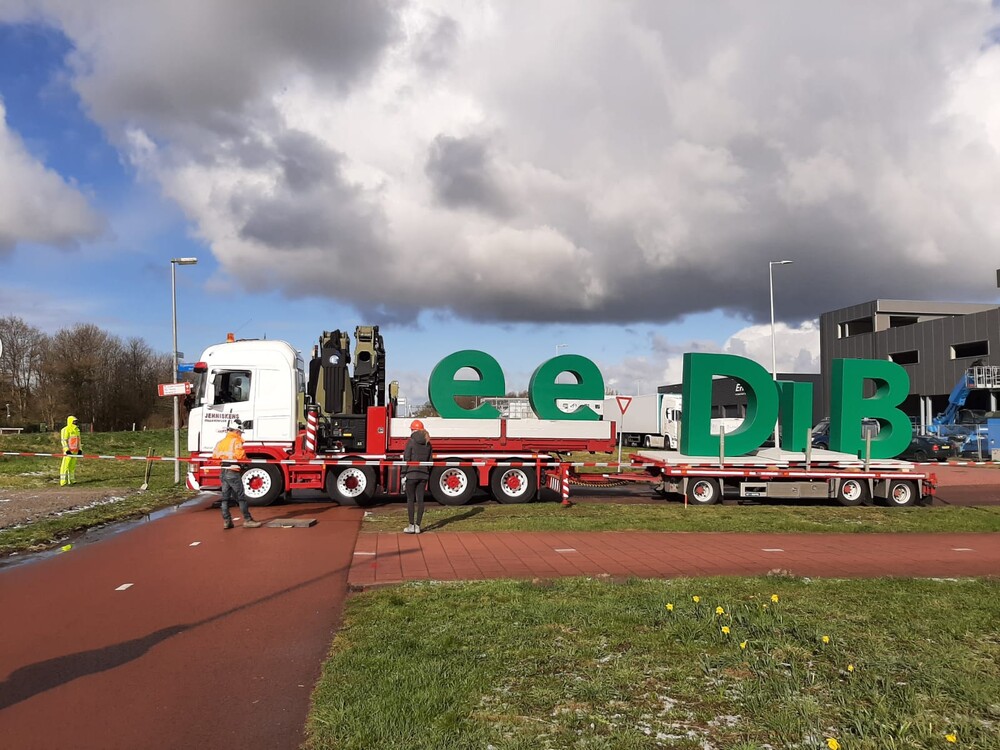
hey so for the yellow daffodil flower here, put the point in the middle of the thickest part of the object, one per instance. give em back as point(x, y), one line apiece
point(670, 607)
point(832, 743)
point(826, 639)
point(743, 645)
point(725, 629)
point(696, 599)
point(850, 667)
point(951, 737)
point(774, 598)
point(720, 611)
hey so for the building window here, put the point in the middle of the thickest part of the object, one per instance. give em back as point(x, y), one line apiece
point(906, 358)
point(971, 349)
point(898, 321)
point(856, 327)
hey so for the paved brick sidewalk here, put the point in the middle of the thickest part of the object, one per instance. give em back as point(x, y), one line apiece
point(381, 558)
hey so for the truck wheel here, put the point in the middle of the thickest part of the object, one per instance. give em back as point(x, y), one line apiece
point(513, 484)
point(452, 485)
point(703, 491)
point(351, 484)
point(902, 493)
point(262, 484)
point(852, 492)
point(646, 442)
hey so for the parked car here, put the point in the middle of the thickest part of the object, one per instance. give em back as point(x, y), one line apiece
point(928, 448)
point(821, 432)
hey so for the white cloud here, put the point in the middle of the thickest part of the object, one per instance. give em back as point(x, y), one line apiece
point(528, 162)
point(36, 204)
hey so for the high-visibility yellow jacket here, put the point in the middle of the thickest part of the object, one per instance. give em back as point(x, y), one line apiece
point(70, 437)
point(230, 447)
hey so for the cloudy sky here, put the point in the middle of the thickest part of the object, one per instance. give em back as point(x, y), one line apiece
point(511, 176)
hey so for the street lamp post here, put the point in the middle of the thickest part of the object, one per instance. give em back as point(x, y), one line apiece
point(174, 262)
point(770, 276)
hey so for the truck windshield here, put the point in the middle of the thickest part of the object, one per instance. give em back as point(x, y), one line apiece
point(231, 387)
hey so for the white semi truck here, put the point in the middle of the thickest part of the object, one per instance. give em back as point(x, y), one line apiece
point(319, 427)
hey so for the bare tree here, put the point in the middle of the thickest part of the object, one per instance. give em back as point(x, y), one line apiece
point(20, 362)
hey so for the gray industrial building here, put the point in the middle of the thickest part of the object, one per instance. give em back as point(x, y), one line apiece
point(935, 342)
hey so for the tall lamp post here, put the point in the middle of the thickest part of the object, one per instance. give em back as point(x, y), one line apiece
point(174, 262)
point(770, 276)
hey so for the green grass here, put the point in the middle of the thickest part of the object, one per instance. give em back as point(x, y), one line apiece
point(584, 664)
point(675, 517)
point(25, 473)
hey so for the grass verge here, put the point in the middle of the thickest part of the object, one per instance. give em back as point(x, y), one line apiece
point(675, 517)
point(19, 473)
point(49, 531)
point(576, 663)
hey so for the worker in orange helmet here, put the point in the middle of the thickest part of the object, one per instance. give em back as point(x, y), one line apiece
point(418, 449)
point(70, 438)
point(230, 451)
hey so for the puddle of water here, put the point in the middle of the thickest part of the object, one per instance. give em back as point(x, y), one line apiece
point(99, 533)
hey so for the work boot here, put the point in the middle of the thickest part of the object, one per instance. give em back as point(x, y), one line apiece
point(251, 524)
point(227, 525)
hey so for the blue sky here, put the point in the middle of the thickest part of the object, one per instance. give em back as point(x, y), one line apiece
point(618, 186)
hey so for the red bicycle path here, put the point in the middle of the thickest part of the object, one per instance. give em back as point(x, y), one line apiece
point(219, 644)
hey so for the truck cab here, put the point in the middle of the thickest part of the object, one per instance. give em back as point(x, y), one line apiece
point(255, 382)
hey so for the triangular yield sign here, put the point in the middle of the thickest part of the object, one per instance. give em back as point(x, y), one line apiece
point(623, 403)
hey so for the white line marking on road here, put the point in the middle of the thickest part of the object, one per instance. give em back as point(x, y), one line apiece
point(568, 549)
point(364, 553)
point(194, 544)
point(962, 549)
point(124, 586)
point(771, 549)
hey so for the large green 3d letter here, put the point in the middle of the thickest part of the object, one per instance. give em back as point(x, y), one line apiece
point(442, 387)
point(696, 418)
point(796, 414)
point(848, 406)
point(543, 390)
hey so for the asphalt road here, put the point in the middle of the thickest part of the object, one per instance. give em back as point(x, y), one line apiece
point(175, 634)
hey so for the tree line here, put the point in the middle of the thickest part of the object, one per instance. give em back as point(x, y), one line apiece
point(101, 379)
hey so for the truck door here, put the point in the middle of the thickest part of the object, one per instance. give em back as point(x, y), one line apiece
point(229, 395)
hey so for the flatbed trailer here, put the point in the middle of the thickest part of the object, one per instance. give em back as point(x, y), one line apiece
point(774, 473)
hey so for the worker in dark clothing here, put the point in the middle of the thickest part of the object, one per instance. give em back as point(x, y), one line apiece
point(418, 449)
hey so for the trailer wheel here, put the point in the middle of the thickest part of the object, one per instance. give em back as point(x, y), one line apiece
point(513, 484)
point(351, 484)
point(902, 493)
point(646, 442)
point(703, 491)
point(852, 492)
point(262, 484)
point(452, 485)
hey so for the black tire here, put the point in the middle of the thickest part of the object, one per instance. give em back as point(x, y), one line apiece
point(351, 484)
point(452, 485)
point(919, 456)
point(703, 491)
point(853, 492)
point(262, 484)
point(646, 442)
point(513, 484)
point(902, 494)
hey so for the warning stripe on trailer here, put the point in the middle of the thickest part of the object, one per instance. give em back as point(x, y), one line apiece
point(210, 462)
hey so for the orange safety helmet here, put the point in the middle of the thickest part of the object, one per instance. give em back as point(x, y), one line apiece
point(416, 424)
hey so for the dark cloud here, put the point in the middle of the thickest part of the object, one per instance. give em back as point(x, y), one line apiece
point(463, 176)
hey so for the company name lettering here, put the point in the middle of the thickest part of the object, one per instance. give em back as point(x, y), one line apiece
point(767, 400)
